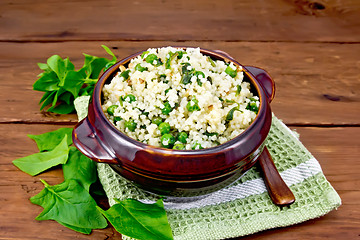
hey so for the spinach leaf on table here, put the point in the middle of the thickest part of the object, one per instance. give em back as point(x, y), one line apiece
point(80, 168)
point(39, 162)
point(69, 204)
point(138, 220)
point(77, 229)
point(48, 141)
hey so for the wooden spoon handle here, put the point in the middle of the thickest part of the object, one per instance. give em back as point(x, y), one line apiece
point(279, 192)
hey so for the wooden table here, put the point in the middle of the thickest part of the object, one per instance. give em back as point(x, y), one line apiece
point(311, 49)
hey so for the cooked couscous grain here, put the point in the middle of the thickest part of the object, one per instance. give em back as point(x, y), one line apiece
point(181, 99)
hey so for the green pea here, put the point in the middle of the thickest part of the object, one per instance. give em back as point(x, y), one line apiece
point(153, 60)
point(182, 137)
point(180, 54)
point(252, 106)
point(150, 58)
point(131, 125)
point(166, 109)
point(179, 146)
point(157, 120)
point(117, 119)
point(140, 68)
point(130, 98)
point(111, 109)
point(144, 53)
point(167, 140)
point(164, 128)
point(232, 73)
point(192, 105)
point(196, 146)
point(125, 74)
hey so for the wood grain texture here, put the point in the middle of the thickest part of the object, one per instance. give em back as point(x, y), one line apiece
point(310, 47)
point(321, 80)
point(336, 159)
point(229, 20)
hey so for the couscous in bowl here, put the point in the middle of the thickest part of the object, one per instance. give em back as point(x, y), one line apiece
point(174, 172)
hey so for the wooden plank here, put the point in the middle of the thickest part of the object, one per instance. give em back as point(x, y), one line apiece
point(319, 85)
point(336, 158)
point(330, 147)
point(277, 20)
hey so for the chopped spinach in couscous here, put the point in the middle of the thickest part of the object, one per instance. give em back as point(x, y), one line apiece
point(180, 99)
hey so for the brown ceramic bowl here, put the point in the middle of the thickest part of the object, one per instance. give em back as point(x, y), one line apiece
point(176, 172)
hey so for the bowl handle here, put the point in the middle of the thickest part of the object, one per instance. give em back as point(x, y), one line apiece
point(86, 140)
point(265, 81)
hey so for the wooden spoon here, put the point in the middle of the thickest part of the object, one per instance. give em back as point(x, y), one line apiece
point(279, 192)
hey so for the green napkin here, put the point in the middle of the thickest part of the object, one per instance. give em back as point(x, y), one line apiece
point(244, 207)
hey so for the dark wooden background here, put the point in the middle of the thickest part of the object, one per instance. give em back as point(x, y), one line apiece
point(311, 49)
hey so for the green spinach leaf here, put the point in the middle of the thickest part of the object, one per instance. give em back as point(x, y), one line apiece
point(48, 81)
point(69, 204)
point(138, 220)
point(73, 83)
point(60, 67)
point(77, 229)
point(232, 73)
point(39, 162)
point(62, 83)
point(48, 141)
point(114, 58)
point(80, 168)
